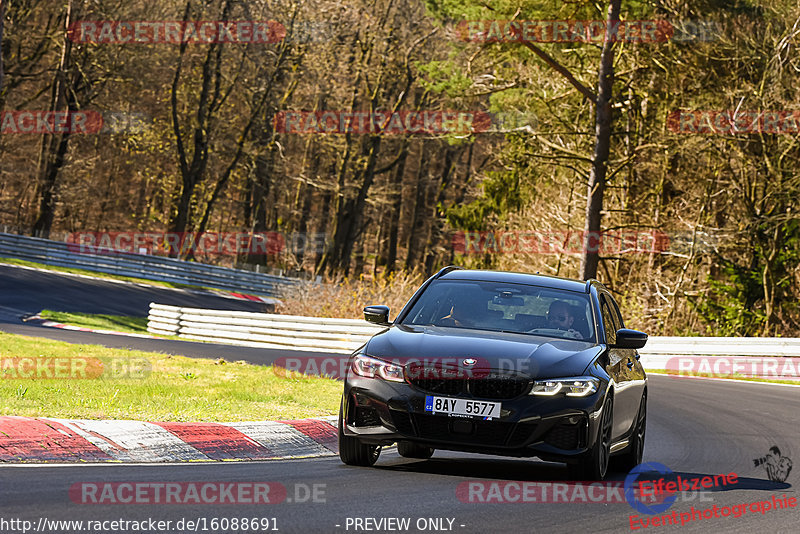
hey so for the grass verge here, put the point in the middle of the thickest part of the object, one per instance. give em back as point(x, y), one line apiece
point(151, 386)
point(118, 323)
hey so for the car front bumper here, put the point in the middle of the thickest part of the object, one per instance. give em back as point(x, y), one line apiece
point(556, 428)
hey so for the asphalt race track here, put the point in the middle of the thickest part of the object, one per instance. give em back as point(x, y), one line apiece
point(28, 289)
point(695, 428)
point(26, 292)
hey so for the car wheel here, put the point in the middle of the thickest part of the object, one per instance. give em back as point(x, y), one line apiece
point(594, 465)
point(407, 449)
point(353, 452)
point(633, 456)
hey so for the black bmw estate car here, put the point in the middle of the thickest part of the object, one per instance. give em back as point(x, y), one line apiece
point(499, 363)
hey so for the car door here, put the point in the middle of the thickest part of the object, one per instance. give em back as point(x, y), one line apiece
point(618, 369)
point(634, 370)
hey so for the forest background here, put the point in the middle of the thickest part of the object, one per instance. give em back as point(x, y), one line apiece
point(582, 136)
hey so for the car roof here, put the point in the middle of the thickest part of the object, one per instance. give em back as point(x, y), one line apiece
point(543, 280)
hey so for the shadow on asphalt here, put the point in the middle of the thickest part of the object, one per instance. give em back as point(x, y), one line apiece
point(536, 471)
point(490, 468)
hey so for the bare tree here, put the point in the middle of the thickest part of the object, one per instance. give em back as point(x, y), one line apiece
point(590, 257)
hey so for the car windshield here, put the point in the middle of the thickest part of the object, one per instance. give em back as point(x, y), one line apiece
point(504, 307)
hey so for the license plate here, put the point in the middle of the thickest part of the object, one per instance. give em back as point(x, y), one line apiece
point(446, 405)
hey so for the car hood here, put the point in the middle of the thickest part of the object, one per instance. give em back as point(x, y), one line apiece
point(535, 356)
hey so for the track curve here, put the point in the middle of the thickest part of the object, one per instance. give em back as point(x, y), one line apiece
point(695, 428)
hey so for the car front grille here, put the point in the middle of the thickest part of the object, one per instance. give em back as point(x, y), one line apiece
point(494, 386)
point(441, 386)
point(501, 387)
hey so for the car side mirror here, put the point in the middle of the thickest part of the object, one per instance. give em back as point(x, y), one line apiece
point(630, 339)
point(377, 315)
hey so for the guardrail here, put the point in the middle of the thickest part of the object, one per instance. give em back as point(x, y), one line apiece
point(261, 329)
point(346, 335)
point(723, 346)
point(142, 266)
point(660, 350)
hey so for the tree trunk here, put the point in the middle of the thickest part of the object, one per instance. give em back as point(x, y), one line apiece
point(590, 257)
point(3, 5)
point(322, 229)
point(350, 216)
point(332, 256)
point(47, 204)
point(54, 149)
point(194, 169)
point(304, 241)
point(395, 212)
point(418, 210)
point(437, 220)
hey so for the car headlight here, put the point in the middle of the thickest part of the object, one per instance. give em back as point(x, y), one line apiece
point(374, 368)
point(573, 387)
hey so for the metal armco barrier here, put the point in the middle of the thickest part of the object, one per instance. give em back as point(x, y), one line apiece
point(346, 335)
point(722, 346)
point(261, 329)
point(661, 353)
point(143, 266)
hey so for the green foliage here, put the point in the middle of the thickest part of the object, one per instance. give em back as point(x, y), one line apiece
point(734, 304)
point(501, 193)
point(729, 308)
point(444, 77)
point(458, 10)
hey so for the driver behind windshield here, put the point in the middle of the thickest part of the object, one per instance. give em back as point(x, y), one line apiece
point(468, 310)
point(559, 317)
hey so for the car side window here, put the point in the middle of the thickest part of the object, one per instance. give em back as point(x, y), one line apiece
point(608, 321)
point(617, 315)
